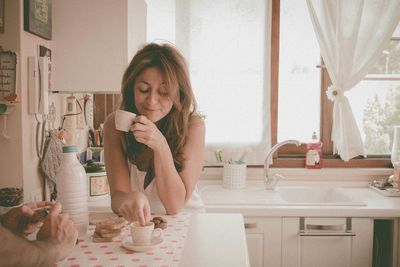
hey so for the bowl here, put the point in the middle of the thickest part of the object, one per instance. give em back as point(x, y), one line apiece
point(11, 196)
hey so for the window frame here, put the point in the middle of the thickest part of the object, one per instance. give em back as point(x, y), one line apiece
point(291, 156)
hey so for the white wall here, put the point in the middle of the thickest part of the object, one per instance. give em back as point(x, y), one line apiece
point(11, 171)
point(18, 160)
point(32, 179)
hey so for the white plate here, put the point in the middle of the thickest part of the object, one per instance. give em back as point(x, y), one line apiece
point(129, 245)
point(388, 192)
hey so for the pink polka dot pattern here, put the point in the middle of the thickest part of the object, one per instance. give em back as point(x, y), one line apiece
point(113, 254)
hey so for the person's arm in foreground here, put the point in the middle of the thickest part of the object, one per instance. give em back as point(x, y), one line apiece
point(55, 241)
point(22, 220)
point(125, 201)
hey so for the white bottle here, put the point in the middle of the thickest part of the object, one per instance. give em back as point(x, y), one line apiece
point(72, 189)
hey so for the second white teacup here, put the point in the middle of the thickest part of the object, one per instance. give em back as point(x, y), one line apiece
point(144, 235)
point(124, 120)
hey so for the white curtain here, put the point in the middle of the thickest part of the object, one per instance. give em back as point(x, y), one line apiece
point(226, 44)
point(351, 35)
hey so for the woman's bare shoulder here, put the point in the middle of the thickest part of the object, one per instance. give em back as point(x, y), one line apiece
point(111, 134)
point(196, 121)
point(109, 127)
point(109, 122)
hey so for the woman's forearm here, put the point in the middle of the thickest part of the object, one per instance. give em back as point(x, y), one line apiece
point(170, 187)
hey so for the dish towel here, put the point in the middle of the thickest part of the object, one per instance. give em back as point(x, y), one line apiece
point(51, 161)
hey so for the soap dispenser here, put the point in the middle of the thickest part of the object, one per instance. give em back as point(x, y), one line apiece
point(314, 153)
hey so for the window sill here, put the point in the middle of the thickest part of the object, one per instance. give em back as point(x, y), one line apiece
point(284, 162)
point(364, 175)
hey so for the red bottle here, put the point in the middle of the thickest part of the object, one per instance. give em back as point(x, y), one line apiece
point(314, 153)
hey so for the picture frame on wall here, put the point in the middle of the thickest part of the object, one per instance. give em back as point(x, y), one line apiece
point(2, 7)
point(38, 18)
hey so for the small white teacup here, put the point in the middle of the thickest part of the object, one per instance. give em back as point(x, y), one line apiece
point(124, 120)
point(144, 235)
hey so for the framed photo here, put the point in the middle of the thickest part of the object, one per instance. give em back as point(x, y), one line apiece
point(37, 17)
point(2, 7)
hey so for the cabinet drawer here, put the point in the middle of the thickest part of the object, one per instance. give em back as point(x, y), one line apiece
point(313, 241)
point(325, 227)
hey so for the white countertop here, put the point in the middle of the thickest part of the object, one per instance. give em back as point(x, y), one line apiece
point(375, 204)
point(215, 240)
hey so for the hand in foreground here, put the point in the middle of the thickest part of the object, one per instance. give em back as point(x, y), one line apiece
point(136, 207)
point(22, 220)
point(146, 132)
point(58, 231)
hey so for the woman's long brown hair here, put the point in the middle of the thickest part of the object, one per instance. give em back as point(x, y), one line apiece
point(174, 125)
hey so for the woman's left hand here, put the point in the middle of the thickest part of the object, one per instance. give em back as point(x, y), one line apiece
point(146, 132)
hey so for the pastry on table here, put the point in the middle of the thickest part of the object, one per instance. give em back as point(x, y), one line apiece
point(159, 222)
point(109, 229)
point(112, 223)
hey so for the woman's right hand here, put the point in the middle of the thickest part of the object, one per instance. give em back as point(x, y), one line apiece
point(135, 207)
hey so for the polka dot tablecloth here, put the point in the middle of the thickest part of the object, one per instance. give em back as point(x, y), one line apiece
point(108, 254)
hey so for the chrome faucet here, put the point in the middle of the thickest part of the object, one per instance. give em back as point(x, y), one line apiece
point(270, 181)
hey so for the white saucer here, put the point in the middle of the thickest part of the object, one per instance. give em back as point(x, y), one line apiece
point(129, 245)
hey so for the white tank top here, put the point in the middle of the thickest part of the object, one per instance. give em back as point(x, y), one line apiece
point(194, 204)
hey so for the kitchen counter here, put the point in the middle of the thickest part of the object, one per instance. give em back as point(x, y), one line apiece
point(215, 240)
point(189, 240)
point(219, 199)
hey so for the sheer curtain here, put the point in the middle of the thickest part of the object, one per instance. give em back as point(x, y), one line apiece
point(226, 44)
point(351, 35)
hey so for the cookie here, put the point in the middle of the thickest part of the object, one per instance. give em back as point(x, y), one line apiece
point(103, 233)
point(98, 239)
point(159, 222)
point(112, 223)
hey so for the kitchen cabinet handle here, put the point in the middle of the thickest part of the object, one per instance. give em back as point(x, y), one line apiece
point(325, 230)
point(327, 234)
point(250, 225)
point(337, 227)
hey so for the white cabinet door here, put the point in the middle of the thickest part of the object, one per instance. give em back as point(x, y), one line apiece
point(263, 236)
point(326, 242)
point(93, 42)
point(255, 247)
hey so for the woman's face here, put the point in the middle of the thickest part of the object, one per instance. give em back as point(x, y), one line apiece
point(151, 95)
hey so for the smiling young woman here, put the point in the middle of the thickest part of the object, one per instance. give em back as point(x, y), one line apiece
point(155, 166)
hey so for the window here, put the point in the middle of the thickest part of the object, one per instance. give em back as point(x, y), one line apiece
point(378, 110)
point(299, 79)
point(226, 45)
point(298, 82)
point(230, 46)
